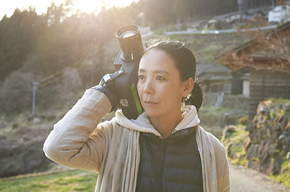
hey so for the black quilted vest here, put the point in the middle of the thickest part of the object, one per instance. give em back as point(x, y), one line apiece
point(172, 164)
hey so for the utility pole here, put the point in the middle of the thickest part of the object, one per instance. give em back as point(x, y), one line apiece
point(34, 96)
point(240, 2)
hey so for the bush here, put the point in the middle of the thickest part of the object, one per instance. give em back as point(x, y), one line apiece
point(243, 120)
point(70, 82)
point(171, 27)
point(221, 25)
point(16, 92)
point(183, 27)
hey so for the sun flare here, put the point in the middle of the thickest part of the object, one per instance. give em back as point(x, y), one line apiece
point(89, 6)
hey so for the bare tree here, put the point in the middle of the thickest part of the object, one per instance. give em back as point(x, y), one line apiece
point(267, 50)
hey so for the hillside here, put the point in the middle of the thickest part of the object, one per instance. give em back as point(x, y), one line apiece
point(207, 47)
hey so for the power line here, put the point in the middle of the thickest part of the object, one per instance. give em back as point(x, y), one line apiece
point(42, 81)
point(57, 73)
point(49, 82)
point(56, 77)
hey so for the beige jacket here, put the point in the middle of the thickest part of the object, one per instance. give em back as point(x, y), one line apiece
point(111, 148)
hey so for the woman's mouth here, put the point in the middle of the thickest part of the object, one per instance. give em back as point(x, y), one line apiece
point(149, 103)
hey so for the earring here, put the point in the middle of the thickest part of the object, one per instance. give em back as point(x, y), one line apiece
point(183, 103)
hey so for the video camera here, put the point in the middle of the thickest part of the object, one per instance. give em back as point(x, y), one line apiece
point(126, 64)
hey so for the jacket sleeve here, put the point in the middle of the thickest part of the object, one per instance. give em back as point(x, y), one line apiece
point(71, 143)
point(226, 177)
point(221, 165)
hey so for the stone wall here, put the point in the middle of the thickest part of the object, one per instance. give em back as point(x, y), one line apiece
point(269, 138)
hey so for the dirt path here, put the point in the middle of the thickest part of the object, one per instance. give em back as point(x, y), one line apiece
point(248, 180)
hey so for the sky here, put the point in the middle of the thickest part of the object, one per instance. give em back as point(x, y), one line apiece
point(8, 6)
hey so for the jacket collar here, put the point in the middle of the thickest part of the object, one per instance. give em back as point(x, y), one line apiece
point(142, 123)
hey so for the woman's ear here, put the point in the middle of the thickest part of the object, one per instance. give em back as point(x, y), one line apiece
point(188, 87)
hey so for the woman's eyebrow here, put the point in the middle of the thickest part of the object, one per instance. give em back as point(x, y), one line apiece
point(155, 71)
point(141, 70)
point(161, 71)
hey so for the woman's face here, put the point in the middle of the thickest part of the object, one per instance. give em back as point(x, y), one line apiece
point(159, 87)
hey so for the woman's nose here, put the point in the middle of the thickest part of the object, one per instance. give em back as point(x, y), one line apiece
point(148, 87)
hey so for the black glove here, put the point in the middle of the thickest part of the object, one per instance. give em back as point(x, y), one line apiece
point(107, 86)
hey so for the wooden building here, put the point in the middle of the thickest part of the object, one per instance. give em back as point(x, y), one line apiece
point(267, 59)
point(216, 78)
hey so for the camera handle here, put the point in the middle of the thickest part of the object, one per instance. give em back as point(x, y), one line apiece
point(111, 77)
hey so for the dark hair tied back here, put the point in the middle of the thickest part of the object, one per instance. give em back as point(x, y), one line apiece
point(196, 97)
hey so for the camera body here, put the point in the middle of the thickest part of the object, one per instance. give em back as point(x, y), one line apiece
point(127, 64)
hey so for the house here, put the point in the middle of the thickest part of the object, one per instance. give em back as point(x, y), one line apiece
point(230, 17)
point(267, 60)
point(216, 78)
point(197, 25)
point(236, 16)
point(246, 84)
point(279, 14)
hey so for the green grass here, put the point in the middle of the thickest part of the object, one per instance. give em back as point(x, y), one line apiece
point(284, 176)
point(280, 101)
point(66, 181)
point(238, 162)
point(236, 140)
point(212, 116)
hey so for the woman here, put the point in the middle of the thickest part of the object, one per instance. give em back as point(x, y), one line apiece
point(164, 149)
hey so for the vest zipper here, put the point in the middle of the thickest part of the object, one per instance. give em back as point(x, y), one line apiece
point(162, 165)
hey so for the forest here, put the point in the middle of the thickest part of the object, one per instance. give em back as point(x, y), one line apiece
point(42, 48)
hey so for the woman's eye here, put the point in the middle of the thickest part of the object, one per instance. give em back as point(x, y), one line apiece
point(141, 77)
point(160, 78)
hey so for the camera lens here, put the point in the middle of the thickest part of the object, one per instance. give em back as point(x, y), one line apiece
point(127, 31)
point(127, 34)
point(130, 41)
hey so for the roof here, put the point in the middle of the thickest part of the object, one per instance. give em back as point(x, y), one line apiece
point(261, 53)
point(202, 68)
point(213, 77)
point(247, 12)
point(212, 72)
